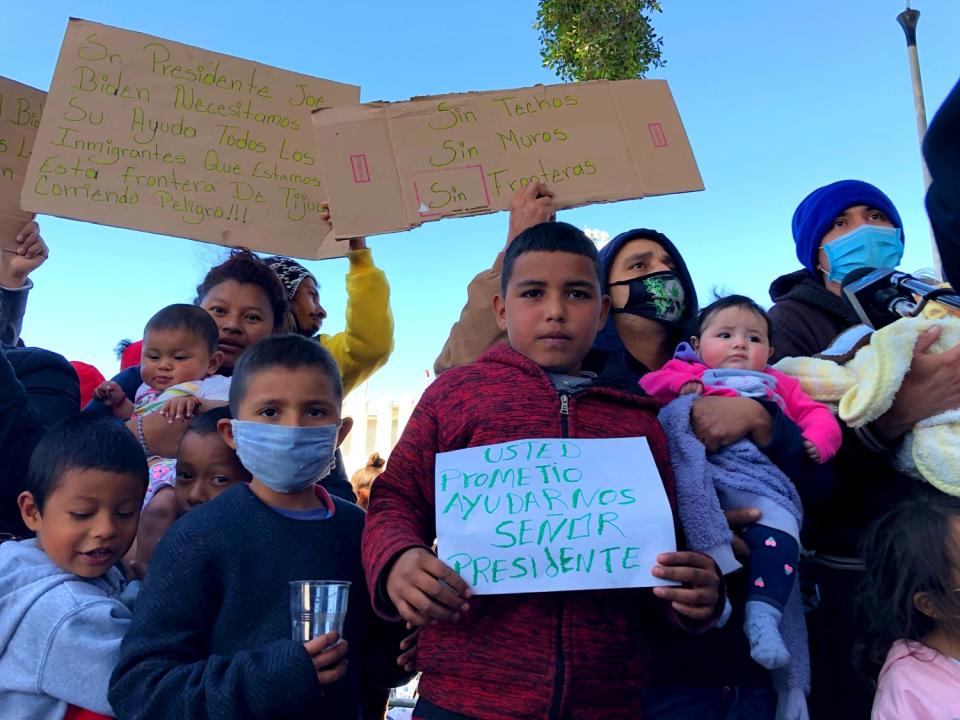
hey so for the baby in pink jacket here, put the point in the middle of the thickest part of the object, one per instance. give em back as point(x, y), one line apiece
point(729, 356)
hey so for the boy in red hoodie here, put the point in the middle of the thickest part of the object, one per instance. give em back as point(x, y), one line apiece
point(539, 655)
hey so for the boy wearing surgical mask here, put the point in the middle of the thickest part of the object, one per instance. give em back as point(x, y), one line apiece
point(211, 632)
point(837, 228)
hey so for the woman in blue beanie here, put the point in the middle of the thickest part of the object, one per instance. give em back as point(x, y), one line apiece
point(837, 228)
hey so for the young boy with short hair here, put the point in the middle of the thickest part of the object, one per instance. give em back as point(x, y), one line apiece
point(550, 654)
point(206, 467)
point(61, 618)
point(211, 633)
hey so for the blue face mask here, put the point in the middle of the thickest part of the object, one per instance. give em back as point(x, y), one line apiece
point(867, 246)
point(285, 458)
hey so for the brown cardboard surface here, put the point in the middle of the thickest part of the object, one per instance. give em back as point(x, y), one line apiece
point(394, 166)
point(145, 133)
point(20, 110)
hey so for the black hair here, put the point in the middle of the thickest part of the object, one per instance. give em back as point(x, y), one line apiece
point(192, 318)
point(121, 347)
point(725, 303)
point(81, 443)
point(914, 548)
point(288, 351)
point(206, 422)
point(244, 267)
point(550, 236)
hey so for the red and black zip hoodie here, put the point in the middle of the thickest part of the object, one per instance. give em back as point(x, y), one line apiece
point(541, 655)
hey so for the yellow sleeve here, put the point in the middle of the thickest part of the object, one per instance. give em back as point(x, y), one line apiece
point(476, 331)
point(367, 341)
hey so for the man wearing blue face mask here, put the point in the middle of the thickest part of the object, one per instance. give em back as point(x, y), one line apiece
point(837, 228)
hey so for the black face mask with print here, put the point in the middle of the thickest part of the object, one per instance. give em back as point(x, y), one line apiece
point(658, 296)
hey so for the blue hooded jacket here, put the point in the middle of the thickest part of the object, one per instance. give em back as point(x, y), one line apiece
point(59, 635)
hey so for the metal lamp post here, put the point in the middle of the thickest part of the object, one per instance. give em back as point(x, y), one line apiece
point(908, 20)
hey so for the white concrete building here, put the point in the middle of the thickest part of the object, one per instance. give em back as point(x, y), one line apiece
point(377, 425)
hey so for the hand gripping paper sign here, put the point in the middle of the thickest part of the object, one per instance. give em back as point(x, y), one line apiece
point(20, 109)
point(551, 515)
point(450, 155)
point(144, 133)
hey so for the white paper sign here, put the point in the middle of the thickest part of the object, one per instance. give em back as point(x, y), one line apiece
point(553, 514)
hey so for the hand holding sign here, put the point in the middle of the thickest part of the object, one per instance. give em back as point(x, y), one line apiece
point(532, 205)
point(700, 578)
point(425, 589)
point(22, 257)
point(357, 243)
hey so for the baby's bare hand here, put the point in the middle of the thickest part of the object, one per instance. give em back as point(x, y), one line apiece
point(811, 450)
point(180, 408)
point(109, 393)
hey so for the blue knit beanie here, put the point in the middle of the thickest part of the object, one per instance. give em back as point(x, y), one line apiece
point(814, 216)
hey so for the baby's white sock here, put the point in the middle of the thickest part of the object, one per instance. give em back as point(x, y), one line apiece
point(762, 626)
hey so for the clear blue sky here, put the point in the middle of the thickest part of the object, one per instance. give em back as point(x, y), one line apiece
point(777, 99)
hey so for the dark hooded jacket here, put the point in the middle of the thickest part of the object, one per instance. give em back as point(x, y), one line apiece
point(806, 317)
point(607, 338)
point(722, 656)
point(941, 149)
point(37, 389)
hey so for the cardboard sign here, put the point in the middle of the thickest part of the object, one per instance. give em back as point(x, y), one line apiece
point(393, 166)
point(551, 515)
point(144, 133)
point(20, 110)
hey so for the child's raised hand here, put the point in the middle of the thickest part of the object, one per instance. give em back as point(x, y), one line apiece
point(328, 654)
point(811, 450)
point(697, 596)
point(109, 393)
point(693, 387)
point(180, 408)
point(423, 588)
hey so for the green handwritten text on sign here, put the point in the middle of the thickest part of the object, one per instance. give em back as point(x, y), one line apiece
point(145, 133)
point(452, 155)
point(552, 514)
point(20, 109)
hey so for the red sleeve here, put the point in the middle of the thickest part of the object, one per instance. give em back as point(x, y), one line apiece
point(401, 511)
point(817, 424)
point(76, 713)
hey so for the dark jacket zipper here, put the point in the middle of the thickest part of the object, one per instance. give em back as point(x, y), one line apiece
point(559, 678)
